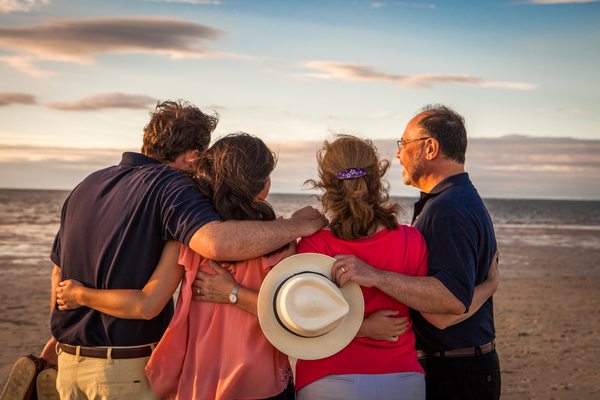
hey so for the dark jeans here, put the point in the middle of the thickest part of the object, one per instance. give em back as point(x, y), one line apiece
point(463, 378)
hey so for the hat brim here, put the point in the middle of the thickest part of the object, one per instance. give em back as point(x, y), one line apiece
point(302, 347)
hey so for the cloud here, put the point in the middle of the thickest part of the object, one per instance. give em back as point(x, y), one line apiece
point(81, 40)
point(107, 100)
point(511, 166)
point(7, 99)
point(358, 72)
point(208, 2)
point(380, 4)
point(10, 6)
point(25, 64)
point(561, 1)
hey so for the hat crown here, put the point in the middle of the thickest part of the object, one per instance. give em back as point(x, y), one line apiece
point(310, 305)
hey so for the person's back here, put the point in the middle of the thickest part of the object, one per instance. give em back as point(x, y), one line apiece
point(112, 233)
point(213, 350)
point(363, 225)
point(399, 250)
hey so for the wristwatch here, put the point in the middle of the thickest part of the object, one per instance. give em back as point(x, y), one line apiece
point(233, 295)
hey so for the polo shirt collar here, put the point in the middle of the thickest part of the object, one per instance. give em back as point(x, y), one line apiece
point(458, 179)
point(136, 159)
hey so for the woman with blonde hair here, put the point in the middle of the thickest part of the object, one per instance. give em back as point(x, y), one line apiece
point(363, 223)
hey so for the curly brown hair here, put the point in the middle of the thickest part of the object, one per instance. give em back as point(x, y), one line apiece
point(355, 207)
point(176, 127)
point(232, 172)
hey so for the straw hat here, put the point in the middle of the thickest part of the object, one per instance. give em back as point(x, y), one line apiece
point(303, 313)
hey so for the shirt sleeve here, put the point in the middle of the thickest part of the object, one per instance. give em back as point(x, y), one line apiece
point(55, 253)
point(184, 210)
point(452, 257)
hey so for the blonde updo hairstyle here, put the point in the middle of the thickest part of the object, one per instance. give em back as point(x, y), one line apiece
point(355, 207)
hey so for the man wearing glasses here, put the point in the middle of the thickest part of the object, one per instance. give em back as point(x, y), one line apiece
point(453, 319)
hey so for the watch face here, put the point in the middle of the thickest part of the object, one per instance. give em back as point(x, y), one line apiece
point(233, 298)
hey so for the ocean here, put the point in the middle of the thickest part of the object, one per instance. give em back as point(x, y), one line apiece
point(29, 220)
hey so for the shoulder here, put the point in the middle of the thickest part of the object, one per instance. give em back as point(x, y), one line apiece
point(318, 242)
point(410, 234)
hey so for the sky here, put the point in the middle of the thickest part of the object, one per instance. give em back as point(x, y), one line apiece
point(79, 78)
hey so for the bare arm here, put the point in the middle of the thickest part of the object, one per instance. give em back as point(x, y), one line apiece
point(215, 288)
point(128, 303)
point(54, 280)
point(49, 351)
point(383, 325)
point(422, 293)
point(229, 240)
point(483, 291)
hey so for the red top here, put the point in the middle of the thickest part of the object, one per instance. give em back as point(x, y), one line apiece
point(402, 250)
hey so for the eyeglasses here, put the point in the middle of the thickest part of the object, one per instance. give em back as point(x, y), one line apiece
point(404, 142)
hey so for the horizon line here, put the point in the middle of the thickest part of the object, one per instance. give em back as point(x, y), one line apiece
point(555, 198)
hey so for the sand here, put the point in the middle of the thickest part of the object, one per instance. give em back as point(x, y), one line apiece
point(547, 314)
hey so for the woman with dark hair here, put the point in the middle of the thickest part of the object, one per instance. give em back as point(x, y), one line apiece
point(212, 349)
point(363, 223)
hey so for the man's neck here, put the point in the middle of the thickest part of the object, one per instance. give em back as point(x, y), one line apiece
point(440, 171)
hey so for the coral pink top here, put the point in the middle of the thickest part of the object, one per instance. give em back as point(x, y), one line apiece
point(217, 351)
point(402, 250)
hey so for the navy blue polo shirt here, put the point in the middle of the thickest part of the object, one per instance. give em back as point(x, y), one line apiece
point(113, 228)
point(460, 238)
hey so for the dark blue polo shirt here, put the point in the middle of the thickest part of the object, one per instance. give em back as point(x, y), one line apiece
point(113, 228)
point(460, 238)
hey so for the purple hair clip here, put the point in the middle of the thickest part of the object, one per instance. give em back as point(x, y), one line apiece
point(351, 173)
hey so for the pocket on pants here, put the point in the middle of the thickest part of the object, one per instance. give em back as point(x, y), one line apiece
point(122, 389)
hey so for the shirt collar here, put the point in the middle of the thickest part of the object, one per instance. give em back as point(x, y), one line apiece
point(136, 159)
point(458, 179)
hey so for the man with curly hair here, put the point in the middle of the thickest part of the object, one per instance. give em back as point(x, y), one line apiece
point(114, 226)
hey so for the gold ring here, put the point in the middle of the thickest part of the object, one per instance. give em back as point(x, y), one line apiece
point(343, 270)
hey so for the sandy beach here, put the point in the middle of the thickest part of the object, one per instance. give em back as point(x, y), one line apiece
point(547, 313)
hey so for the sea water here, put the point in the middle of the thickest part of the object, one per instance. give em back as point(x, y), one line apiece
point(29, 220)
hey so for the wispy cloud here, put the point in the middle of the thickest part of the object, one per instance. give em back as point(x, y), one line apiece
point(107, 100)
point(380, 4)
point(26, 64)
point(358, 72)
point(81, 40)
point(208, 2)
point(7, 99)
point(512, 166)
point(561, 1)
point(10, 6)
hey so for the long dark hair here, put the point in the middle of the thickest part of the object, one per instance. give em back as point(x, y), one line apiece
point(232, 172)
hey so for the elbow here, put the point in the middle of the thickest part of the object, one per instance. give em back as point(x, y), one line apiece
point(439, 324)
point(147, 312)
point(440, 321)
point(455, 307)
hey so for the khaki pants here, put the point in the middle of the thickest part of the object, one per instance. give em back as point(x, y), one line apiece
point(100, 378)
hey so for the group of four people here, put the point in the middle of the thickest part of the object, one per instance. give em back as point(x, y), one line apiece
point(166, 215)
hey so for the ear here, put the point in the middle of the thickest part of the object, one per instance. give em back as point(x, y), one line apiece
point(431, 149)
point(191, 155)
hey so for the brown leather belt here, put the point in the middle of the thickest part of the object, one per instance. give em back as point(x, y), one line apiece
point(462, 352)
point(103, 352)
